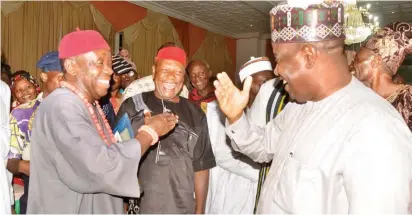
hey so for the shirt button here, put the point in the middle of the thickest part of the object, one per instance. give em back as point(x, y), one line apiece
point(233, 132)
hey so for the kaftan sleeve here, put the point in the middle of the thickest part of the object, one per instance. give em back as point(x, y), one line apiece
point(378, 165)
point(256, 142)
point(83, 161)
point(225, 156)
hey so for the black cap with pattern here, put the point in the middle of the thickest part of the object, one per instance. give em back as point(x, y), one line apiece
point(120, 66)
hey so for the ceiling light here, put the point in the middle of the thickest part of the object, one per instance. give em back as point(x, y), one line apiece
point(370, 16)
point(375, 18)
point(393, 12)
point(368, 6)
point(251, 25)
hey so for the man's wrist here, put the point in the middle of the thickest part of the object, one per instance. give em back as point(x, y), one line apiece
point(235, 118)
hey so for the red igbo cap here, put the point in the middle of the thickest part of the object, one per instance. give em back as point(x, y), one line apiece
point(80, 42)
point(172, 53)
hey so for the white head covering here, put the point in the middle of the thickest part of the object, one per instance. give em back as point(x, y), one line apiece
point(254, 65)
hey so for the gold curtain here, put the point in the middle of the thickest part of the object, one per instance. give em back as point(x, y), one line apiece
point(143, 38)
point(28, 33)
point(37, 27)
point(214, 52)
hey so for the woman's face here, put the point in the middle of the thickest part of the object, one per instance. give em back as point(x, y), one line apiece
point(24, 91)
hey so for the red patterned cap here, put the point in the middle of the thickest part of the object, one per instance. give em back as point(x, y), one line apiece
point(80, 42)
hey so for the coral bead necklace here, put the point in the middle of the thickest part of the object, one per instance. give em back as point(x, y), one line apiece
point(93, 114)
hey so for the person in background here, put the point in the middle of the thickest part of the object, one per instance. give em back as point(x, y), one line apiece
point(77, 164)
point(120, 67)
point(199, 76)
point(6, 73)
point(233, 182)
point(21, 118)
point(267, 98)
point(378, 62)
point(178, 166)
point(326, 146)
point(146, 84)
point(6, 196)
point(24, 88)
point(52, 73)
point(124, 53)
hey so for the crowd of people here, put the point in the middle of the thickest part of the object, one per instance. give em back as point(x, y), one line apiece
point(316, 132)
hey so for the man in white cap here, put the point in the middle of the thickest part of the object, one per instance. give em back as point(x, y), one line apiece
point(267, 98)
point(339, 147)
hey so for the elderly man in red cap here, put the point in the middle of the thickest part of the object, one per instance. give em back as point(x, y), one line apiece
point(178, 166)
point(76, 164)
point(337, 148)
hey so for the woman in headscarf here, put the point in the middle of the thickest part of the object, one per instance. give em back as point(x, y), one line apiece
point(378, 62)
point(25, 89)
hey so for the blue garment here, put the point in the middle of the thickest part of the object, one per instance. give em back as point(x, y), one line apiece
point(50, 62)
point(108, 110)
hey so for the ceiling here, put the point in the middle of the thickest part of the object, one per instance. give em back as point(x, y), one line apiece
point(242, 19)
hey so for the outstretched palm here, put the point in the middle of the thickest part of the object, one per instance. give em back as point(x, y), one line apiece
point(231, 100)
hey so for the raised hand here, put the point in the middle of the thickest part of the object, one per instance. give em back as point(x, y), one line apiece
point(231, 100)
point(161, 123)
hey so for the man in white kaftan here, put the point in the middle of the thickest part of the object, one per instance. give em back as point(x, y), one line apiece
point(339, 148)
point(6, 197)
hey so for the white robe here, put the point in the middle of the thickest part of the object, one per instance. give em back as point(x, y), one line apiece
point(348, 153)
point(6, 196)
point(233, 182)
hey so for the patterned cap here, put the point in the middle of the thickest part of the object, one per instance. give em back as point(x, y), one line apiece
point(392, 43)
point(120, 66)
point(313, 23)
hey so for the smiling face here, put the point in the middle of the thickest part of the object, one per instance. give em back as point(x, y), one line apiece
point(168, 77)
point(24, 91)
point(293, 67)
point(199, 75)
point(92, 71)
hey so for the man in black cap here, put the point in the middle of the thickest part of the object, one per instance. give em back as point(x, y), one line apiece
point(337, 147)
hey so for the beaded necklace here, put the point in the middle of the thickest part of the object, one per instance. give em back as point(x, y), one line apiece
point(93, 113)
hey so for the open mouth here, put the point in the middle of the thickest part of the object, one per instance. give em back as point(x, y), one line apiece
point(27, 97)
point(104, 82)
point(169, 86)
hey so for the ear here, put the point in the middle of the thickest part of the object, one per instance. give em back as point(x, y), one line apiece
point(71, 66)
point(43, 77)
point(310, 54)
point(153, 71)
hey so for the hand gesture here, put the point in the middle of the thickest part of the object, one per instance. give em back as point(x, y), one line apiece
point(161, 123)
point(231, 100)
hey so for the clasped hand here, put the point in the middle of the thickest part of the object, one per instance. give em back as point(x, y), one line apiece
point(161, 123)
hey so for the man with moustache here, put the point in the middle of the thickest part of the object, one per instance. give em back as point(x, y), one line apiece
point(77, 167)
point(339, 148)
point(175, 174)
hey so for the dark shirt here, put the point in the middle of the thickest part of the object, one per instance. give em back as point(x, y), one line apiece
point(108, 110)
point(168, 183)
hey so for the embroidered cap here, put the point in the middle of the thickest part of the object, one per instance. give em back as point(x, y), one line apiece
point(313, 23)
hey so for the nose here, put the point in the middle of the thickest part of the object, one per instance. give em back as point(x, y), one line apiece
point(108, 70)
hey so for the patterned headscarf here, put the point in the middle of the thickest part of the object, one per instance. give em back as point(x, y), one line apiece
point(392, 43)
point(24, 75)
